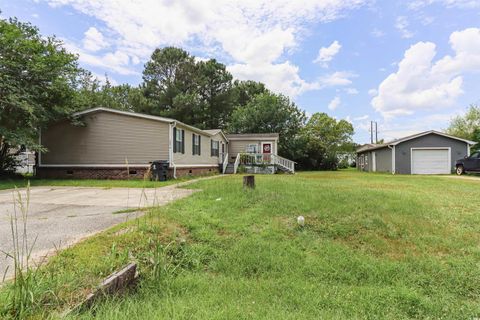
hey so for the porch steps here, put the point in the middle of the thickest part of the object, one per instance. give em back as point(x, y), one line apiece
point(229, 168)
point(284, 169)
point(280, 163)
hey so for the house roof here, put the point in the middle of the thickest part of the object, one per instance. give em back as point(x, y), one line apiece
point(250, 136)
point(213, 131)
point(368, 147)
point(216, 131)
point(143, 116)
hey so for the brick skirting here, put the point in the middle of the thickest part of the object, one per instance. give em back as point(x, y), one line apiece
point(91, 173)
point(114, 173)
point(195, 171)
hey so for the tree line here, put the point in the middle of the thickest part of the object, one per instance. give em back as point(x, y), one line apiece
point(467, 126)
point(41, 82)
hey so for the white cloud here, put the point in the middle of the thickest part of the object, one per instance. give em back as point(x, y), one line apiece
point(94, 40)
point(117, 61)
point(352, 91)
point(326, 54)
point(339, 78)
point(377, 33)
point(284, 78)
point(361, 118)
point(103, 79)
point(464, 4)
point(255, 35)
point(402, 25)
point(335, 103)
point(390, 130)
point(372, 92)
point(423, 84)
point(427, 20)
point(280, 77)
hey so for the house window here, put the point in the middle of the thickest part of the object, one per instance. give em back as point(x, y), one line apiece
point(360, 160)
point(196, 142)
point(366, 160)
point(251, 148)
point(215, 148)
point(179, 143)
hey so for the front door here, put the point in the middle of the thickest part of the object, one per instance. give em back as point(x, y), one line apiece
point(267, 151)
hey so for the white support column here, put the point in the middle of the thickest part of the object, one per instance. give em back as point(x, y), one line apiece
point(394, 169)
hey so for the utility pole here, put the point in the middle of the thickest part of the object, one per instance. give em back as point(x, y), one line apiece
point(371, 132)
point(372, 129)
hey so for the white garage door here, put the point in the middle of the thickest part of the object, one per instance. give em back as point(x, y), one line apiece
point(430, 161)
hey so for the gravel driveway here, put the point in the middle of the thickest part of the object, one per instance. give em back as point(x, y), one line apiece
point(61, 216)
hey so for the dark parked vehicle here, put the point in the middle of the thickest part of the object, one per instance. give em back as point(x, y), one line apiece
point(469, 164)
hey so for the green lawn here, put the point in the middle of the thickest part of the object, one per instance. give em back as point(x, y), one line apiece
point(374, 246)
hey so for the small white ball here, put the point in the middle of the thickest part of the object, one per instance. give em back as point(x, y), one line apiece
point(301, 221)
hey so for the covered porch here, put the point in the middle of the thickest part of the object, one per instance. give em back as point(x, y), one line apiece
point(265, 163)
point(255, 153)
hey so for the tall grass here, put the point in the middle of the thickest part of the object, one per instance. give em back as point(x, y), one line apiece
point(23, 288)
point(32, 289)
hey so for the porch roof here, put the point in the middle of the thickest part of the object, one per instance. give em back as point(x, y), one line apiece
point(252, 136)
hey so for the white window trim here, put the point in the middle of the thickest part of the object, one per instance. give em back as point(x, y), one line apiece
point(217, 144)
point(178, 134)
point(196, 144)
point(247, 147)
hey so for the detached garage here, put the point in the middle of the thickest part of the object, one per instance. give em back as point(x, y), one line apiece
point(429, 152)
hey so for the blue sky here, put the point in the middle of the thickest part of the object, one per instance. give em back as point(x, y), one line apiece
point(409, 65)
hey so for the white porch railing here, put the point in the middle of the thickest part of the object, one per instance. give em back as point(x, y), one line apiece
point(225, 162)
point(236, 163)
point(285, 163)
point(266, 159)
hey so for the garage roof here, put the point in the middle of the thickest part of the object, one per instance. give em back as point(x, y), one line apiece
point(414, 136)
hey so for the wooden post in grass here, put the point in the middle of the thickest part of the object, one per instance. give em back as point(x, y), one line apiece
point(249, 182)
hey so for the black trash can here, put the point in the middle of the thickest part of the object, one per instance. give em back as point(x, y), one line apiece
point(159, 170)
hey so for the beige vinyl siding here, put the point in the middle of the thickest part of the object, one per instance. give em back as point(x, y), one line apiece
point(240, 146)
point(107, 138)
point(219, 137)
point(204, 159)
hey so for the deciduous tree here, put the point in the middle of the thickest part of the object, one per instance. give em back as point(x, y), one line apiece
point(270, 113)
point(467, 126)
point(324, 137)
point(37, 85)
